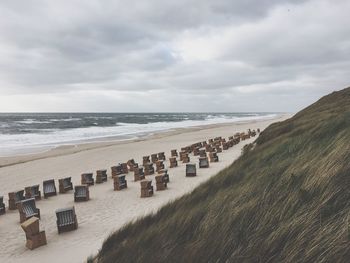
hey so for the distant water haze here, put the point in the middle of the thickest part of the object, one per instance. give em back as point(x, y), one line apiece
point(22, 133)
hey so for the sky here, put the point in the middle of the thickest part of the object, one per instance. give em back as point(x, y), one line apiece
point(171, 56)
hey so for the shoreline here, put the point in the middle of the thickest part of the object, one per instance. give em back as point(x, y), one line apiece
point(112, 140)
point(107, 210)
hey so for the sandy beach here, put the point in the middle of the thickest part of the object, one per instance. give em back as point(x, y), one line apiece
point(107, 210)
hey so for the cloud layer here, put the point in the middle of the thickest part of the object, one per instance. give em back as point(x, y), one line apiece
point(194, 55)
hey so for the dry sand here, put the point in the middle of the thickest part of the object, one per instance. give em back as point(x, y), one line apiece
point(107, 210)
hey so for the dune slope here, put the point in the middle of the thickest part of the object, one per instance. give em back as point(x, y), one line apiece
point(286, 199)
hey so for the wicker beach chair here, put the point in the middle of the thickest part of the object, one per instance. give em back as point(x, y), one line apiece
point(32, 192)
point(196, 151)
point(14, 198)
point(161, 156)
point(174, 153)
point(161, 183)
point(27, 209)
point(49, 188)
point(164, 172)
point(145, 159)
point(65, 184)
point(218, 149)
point(226, 145)
point(173, 162)
point(120, 183)
point(146, 188)
point(131, 163)
point(159, 165)
point(202, 153)
point(186, 149)
point(125, 169)
point(213, 157)
point(35, 238)
point(66, 220)
point(101, 176)
point(87, 178)
point(154, 158)
point(81, 193)
point(185, 158)
point(203, 162)
point(139, 174)
point(116, 170)
point(2, 206)
point(191, 170)
point(148, 169)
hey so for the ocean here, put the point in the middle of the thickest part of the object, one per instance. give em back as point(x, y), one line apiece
point(23, 133)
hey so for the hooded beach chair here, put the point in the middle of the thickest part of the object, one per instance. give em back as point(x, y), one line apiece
point(49, 188)
point(161, 156)
point(159, 165)
point(174, 153)
point(154, 158)
point(101, 176)
point(191, 170)
point(125, 169)
point(66, 220)
point(145, 159)
point(173, 162)
point(146, 188)
point(14, 198)
point(81, 193)
point(65, 184)
point(120, 182)
point(164, 172)
point(27, 209)
point(116, 170)
point(87, 178)
point(32, 192)
point(203, 162)
point(139, 174)
point(213, 156)
point(148, 169)
point(35, 238)
point(161, 183)
point(2, 206)
point(131, 163)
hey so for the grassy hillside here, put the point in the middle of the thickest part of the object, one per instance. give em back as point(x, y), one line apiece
point(285, 200)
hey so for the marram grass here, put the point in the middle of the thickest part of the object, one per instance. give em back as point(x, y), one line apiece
point(287, 199)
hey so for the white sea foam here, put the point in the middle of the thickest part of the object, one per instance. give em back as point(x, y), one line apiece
point(31, 121)
point(12, 144)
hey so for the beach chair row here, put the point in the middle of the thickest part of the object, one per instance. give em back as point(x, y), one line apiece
point(211, 146)
point(24, 200)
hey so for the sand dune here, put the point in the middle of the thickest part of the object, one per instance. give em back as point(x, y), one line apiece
point(107, 210)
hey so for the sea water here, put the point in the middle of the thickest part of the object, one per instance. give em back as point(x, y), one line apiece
point(22, 133)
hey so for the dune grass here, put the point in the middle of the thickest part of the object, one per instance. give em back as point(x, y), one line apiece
point(286, 199)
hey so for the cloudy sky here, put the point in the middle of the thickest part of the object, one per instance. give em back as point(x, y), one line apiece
point(183, 55)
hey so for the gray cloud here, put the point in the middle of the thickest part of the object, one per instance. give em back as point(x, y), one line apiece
point(268, 55)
